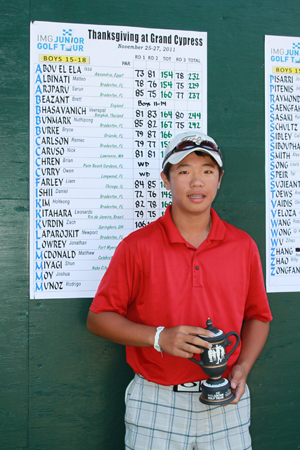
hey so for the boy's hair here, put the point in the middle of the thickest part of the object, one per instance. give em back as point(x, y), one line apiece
point(168, 166)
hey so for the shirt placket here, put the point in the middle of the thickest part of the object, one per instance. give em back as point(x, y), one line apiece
point(197, 270)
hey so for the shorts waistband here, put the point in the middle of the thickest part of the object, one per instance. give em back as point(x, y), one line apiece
point(190, 387)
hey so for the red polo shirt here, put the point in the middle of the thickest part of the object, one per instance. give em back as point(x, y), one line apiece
point(157, 278)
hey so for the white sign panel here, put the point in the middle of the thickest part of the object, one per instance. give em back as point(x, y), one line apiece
point(104, 103)
point(282, 101)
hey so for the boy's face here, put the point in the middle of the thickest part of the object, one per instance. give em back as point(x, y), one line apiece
point(194, 183)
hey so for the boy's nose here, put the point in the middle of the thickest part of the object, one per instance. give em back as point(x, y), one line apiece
point(197, 180)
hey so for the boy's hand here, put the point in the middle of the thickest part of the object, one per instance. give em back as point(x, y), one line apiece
point(237, 378)
point(184, 341)
point(254, 335)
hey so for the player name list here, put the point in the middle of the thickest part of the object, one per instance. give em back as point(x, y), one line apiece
point(283, 163)
point(104, 105)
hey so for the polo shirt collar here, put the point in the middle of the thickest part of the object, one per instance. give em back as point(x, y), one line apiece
point(217, 231)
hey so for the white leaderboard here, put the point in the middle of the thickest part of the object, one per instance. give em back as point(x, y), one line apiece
point(282, 90)
point(104, 103)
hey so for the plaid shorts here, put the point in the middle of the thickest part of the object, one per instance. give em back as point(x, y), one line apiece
point(157, 418)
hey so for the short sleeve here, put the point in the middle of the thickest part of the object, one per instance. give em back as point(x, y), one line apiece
point(120, 283)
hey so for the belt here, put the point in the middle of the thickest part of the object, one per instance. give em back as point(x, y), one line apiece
point(194, 386)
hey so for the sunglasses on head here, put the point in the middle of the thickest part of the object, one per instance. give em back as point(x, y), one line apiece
point(188, 145)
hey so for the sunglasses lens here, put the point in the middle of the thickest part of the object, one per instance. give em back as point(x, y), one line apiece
point(185, 145)
point(209, 146)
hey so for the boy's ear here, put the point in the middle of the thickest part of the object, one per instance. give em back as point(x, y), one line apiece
point(221, 176)
point(165, 181)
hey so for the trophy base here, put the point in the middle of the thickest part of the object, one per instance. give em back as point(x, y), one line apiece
point(216, 392)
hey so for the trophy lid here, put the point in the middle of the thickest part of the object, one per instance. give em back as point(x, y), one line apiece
point(219, 334)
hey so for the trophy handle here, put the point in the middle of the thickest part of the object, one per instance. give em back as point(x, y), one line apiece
point(232, 333)
point(200, 363)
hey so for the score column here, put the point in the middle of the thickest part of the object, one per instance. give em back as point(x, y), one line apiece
point(146, 150)
point(139, 138)
point(153, 128)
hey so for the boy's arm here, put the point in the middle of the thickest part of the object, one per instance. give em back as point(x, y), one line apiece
point(254, 335)
point(177, 341)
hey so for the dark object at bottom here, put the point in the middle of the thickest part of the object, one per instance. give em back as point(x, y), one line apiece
point(216, 392)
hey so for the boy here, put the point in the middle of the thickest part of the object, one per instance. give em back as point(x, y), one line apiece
point(163, 282)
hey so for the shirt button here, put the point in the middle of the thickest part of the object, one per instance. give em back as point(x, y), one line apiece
point(197, 267)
